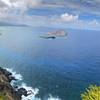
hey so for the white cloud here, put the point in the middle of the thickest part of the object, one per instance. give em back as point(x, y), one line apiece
point(7, 2)
point(21, 4)
point(14, 11)
point(24, 5)
point(90, 6)
point(64, 21)
point(69, 18)
point(18, 5)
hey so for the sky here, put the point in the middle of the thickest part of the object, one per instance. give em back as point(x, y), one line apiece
point(80, 14)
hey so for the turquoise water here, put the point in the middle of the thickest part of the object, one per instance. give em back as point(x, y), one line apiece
point(62, 67)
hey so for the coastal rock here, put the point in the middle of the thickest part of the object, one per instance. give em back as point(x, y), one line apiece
point(7, 91)
point(59, 33)
point(53, 35)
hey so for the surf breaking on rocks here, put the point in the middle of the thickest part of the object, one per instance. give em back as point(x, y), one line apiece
point(33, 91)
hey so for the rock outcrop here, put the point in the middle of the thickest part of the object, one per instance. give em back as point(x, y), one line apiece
point(7, 91)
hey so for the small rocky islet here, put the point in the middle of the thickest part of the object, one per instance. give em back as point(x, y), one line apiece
point(53, 35)
point(7, 91)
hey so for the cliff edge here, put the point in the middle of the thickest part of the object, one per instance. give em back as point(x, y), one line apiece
point(7, 91)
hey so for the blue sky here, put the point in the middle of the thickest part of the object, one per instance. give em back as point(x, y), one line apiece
point(79, 14)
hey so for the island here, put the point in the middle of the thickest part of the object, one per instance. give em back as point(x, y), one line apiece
point(7, 91)
point(53, 35)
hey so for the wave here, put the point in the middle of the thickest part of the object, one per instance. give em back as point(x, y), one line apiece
point(35, 91)
point(16, 75)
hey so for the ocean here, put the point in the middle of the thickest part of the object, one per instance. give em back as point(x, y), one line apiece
point(55, 69)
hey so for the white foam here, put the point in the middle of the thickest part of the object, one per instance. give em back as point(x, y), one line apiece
point(32, 96)
point(35, 91)
point(16, 75)
point(53, 98)
point(20, 78)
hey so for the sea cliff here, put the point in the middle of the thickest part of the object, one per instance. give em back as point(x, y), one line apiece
point(7, 91)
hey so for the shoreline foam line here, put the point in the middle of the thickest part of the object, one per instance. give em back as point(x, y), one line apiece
point(35, 91)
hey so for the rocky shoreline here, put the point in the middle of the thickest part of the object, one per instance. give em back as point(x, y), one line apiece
point(7, 91)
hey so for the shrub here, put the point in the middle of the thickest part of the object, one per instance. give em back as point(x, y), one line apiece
point(2, 96)
point(92, 93)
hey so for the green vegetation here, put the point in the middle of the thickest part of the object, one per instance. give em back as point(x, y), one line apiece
point(2, 96)
point(92, 93)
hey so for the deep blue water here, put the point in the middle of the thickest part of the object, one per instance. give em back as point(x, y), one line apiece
point(61, 67)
